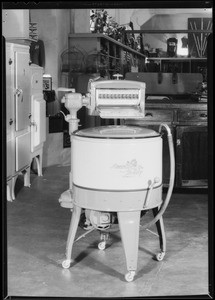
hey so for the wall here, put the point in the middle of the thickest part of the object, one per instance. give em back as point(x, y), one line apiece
point(53, 29)
point(177, 17)
point(80, 19)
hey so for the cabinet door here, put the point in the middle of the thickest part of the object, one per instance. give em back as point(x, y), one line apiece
point(22, 151)
point(22, 90)
point(10, 108)
point(191, 156)
point(38, 127)
point(10, 158)
point(9, 88)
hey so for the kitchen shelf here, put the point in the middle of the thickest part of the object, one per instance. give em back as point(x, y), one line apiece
point(168, 31)
point(177, 58)
point(99, 36)
point(114, 55)
point(197, 32)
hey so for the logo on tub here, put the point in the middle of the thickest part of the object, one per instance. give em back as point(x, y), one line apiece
point(130, 169)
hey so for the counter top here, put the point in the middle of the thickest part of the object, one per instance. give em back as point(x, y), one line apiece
point(176, 104)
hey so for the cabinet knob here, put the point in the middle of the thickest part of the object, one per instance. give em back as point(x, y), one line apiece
point(11, 121)
point(10, 61)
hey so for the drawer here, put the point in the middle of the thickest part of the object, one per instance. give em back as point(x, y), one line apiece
point(192, 116)
point(158, 115)
point(152, 117)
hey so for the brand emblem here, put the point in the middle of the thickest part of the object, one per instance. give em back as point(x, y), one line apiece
point(129, 169)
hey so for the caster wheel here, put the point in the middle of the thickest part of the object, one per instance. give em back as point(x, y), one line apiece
point(129, 276)
point(66, 264)
point(160, 256)
point(102, 245)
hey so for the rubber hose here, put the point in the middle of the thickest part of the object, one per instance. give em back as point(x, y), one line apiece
point(171, 181)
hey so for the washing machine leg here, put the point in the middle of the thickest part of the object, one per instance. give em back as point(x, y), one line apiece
point(76, 213)
point(162, 236)
point(129, 223)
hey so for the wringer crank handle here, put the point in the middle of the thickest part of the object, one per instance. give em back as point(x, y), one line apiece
point(73, 102)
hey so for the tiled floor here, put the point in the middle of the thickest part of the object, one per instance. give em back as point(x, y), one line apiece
point(37, 234)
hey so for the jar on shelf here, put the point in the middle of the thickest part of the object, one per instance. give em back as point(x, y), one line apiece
point(172, 47)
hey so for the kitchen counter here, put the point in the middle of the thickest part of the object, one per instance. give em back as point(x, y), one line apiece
point(176, 104)
point(188, 122)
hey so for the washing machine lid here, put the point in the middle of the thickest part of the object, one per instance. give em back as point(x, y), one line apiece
point(117, 132)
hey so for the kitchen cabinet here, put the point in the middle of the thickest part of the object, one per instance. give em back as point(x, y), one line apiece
point(169, 85)
point(24, 119)
point(18, 112)
point(101, 52)
point(153, 118)
point(9, 111)
point(188, 124)
point(192, 148)
point(157, 116)
point(192, 156)
point(178, 65)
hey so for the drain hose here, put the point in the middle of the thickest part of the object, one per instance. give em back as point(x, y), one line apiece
point(171, 180)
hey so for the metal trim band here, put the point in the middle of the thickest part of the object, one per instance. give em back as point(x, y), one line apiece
point(116, 138)
point(117, 200)
point(115, 191)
